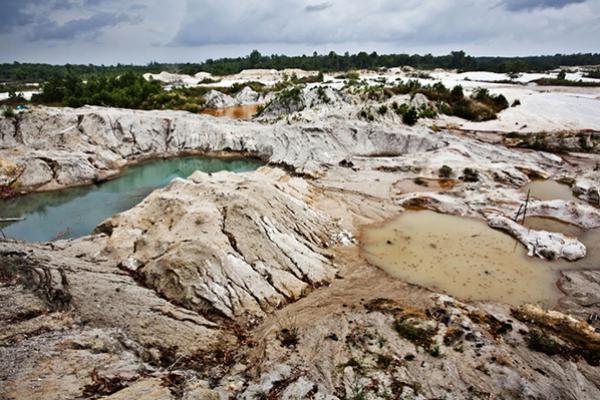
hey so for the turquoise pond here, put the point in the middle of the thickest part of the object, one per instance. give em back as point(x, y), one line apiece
point(75, 212)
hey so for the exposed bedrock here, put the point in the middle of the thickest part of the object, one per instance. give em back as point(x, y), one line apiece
point(92, 143)
point(229, 243)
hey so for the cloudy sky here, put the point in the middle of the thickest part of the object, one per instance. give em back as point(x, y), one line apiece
point(139, 31)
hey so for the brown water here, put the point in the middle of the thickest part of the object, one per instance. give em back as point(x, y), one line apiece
point(425, 185)
point(460, 256)
point(244, 112)
point(553, 225)
point(591, 240)
point(549, 190)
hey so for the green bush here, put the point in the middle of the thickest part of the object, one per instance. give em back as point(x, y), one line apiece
point(427, 112)
point(496, 102)
point(350, 75)
point(410, 117)
point(420, 181)
point(470, 175)
point(382, 109)
point(366, 114)
point(482, 106)
point(457, 93)
point(445, 172)
point(323, 95)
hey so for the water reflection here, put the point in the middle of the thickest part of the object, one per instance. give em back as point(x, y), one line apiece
point(75, 212)
point(244, 112)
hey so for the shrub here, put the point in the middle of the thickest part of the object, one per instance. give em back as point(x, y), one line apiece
point(457, 93)
point(470, 175)
point(291, 99)
point(289, 332)
point(445, 172)
point(410, 117)
point(259, 109)
point(562, 75)
point(420, 182)
point(366, 114)
point(427, 112)
point(472, 110)
point(350, 75)
point(496, 102)
point(515, 103)
point(322, 95)
point(8, 112)
point(382, 110)
point(384, 361)
point(260, 395)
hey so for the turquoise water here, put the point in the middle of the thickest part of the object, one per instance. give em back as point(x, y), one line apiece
point(72, 213)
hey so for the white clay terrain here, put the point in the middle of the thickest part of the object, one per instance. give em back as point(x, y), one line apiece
point(252, 285)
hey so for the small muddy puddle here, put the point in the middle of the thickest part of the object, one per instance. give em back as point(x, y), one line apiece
point(424, 185)
point(244, 112)
point(549, 190)
point(460, 256)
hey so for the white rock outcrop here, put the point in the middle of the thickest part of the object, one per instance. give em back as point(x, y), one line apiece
point(546, 245)
point(249, 246)
point(216, 99)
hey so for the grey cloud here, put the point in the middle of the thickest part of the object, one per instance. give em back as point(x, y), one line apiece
point(78, 27)
point(190, 30)
point(292, 22)
point(14, 14)
point(520, 5)
point(318, 7)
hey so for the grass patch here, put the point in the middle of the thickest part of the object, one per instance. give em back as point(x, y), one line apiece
point(415, 331)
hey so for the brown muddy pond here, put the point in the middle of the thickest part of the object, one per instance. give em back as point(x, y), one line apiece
point(549, 190)
point(245, 112)
point(460, 256)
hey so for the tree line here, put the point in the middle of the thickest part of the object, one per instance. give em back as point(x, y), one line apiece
point(128, 90)
point(26, 72)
